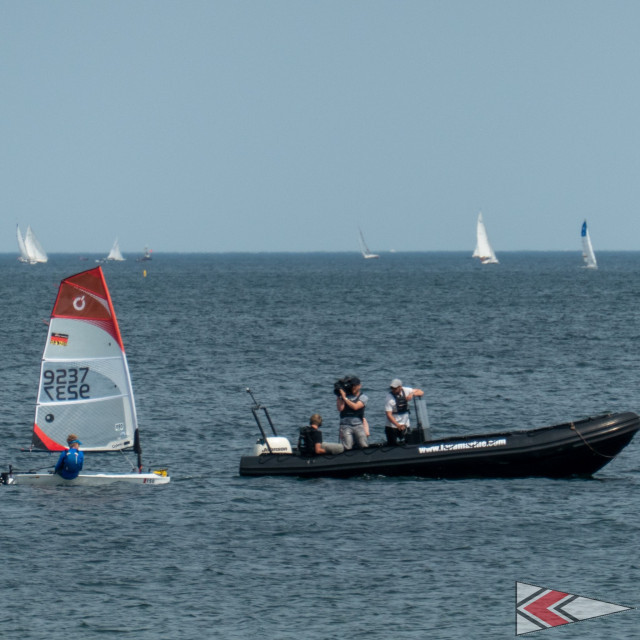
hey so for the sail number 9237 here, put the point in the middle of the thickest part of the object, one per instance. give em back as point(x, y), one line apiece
point(66, 384)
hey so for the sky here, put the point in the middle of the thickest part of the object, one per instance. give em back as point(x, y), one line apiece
point(284, 125)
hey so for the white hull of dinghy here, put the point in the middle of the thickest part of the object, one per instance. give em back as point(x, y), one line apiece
point(85, 479)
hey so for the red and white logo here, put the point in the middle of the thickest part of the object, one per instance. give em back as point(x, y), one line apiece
point(539, 608)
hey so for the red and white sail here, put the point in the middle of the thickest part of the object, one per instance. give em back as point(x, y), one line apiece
point(85, 386)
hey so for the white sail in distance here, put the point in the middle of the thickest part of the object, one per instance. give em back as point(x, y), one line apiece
point(364, 249)
point(115, 253)
point(587, 249)
point(24, 256)
point(483, 250)
point(31, 250)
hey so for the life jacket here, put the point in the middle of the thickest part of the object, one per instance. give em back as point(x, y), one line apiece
point(348, 412)
point(72, 463)
point(402, 404)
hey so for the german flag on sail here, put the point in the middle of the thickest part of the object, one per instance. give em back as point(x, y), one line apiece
point(61, 339)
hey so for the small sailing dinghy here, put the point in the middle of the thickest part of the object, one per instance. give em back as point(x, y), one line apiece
point(587, 249)
point(366, 253)
point(31, 250)
point(483, 250)
point(85, 387)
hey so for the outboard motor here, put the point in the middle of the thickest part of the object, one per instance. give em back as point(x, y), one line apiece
point(422, 431)
point(273, 444)
point(6, 477)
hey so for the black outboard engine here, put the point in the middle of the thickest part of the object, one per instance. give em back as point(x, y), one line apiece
point(422, 431)
point(6, 477)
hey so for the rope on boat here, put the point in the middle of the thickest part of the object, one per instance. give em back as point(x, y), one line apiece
point(124, 455)
point(604, 455)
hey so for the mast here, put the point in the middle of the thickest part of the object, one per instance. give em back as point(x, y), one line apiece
point(138, 448)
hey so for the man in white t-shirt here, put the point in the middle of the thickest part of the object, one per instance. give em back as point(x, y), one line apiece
point(397, 410)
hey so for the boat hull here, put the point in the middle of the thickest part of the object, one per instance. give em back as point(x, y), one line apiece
point(572, 449)
point(84, 479)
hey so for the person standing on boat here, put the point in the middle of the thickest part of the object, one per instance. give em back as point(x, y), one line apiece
point(397, 410)
point(70, 462)
point(351, 404)
point(310, 442)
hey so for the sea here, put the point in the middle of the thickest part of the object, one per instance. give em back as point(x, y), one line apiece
point(533, 341)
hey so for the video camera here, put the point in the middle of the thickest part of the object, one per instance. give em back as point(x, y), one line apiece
point(346, 384)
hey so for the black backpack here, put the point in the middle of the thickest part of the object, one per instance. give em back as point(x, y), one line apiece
point(305, 443)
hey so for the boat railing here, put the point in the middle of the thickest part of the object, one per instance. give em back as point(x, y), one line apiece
point(256, 409)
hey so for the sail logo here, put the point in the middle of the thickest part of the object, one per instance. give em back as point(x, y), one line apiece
point(79, 303)
point(539, 608)
point(59, 339)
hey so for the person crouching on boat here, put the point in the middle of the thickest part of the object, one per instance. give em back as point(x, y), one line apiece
point(351, 404)
point(310, 441)
point(70, 462)
point(397, 410)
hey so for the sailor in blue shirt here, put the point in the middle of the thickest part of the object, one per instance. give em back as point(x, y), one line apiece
point(70, 461)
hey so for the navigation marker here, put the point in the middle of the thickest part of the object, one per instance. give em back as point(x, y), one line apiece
point(539, 608)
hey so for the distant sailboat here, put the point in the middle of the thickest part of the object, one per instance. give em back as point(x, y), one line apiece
point(365, 249)
point(587, 250)
point(31, 250)
point(483, 249)
point(115, 253)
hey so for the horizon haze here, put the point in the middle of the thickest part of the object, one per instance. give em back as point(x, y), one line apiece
point(285, 126)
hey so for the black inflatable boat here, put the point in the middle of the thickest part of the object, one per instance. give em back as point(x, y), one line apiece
point(572, 449)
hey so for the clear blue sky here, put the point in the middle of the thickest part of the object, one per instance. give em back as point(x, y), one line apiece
point(276, 125)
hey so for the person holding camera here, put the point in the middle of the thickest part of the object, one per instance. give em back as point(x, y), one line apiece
point(351, 404)
point(397, 410)
point(310, 441)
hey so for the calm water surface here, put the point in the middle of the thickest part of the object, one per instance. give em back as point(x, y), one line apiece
point(533, 341)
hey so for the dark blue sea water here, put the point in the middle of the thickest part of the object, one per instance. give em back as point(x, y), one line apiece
point(532, 341)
